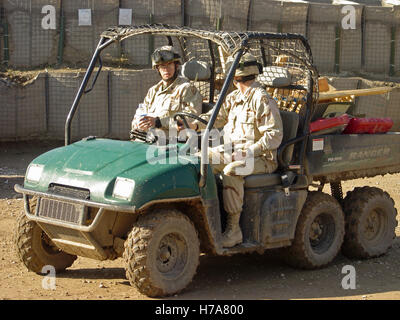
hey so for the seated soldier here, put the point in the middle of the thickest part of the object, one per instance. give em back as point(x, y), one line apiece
point(171, 95)
point(252, 130)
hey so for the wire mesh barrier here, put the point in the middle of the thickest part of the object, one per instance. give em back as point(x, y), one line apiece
point(127, 89)
point(378, 23)
point(265, 22)
point(31, 43)
point(40, 109)
point(203, 14)
point(364, 40)
point(348, 42)
point(23, 109)
point(8, 127)
point(46, 32)
point(137, 50)
point(395, 64)
point(84, 21)
point(234, 16)
point(62, 90)
point(323, 19)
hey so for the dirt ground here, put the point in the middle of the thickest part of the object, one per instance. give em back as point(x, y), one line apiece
point(243, 277)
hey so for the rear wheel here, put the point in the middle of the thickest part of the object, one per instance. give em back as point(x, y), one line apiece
point(370, 223)
point(34, 247)
point(162, 253)
point(319, 233)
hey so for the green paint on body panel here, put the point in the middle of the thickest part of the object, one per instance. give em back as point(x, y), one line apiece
point(158, 172)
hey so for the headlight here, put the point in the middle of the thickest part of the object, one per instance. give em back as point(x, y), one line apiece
point(34, 172)
point(123, 188)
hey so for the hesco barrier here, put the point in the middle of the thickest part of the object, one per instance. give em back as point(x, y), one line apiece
point(286, 17)
point(146, 12)
point(349, 48)
point(23, 109)
point(81, 40)
point(29, 44)
point(396, 43)
point(127, 90)
point(378, 25)
point(321, 33)
point(372, 46)
point(40, 107)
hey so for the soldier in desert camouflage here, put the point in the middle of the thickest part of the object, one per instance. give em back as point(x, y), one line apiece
point(253, 131)
point(170, 95)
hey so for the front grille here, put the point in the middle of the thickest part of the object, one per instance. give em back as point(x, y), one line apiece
point(64, 211)
point(68, 191)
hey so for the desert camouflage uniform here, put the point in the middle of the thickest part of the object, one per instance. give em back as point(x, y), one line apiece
point(179, 96)
point(251, 123)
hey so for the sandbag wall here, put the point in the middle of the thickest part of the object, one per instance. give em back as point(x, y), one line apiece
point(361, 37)
point(39, 108)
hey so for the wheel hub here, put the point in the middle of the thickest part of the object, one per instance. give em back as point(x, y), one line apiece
point(165, 254)
point(372, 225)
point(316, 230)
point(172, 255)
point(321, 233)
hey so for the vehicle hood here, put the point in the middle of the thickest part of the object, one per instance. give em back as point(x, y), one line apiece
point(95, 164)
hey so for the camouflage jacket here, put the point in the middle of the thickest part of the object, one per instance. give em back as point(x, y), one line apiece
point(180, 96)
point(250, 121)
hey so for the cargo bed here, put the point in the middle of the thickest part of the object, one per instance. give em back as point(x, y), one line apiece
point(338, 157)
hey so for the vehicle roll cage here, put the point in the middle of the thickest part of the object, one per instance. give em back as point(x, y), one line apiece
point(233, 43)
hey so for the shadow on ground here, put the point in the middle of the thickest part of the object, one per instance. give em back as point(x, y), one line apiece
point(256, 277)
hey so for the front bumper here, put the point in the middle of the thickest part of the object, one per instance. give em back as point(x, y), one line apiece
point(79, 235)
point(89, 203)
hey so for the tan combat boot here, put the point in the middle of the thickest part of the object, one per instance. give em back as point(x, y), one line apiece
point(232, 235)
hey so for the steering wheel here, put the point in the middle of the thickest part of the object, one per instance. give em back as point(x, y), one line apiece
point(183, 116)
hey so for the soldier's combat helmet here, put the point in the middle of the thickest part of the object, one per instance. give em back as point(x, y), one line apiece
point(248, 65)
point(164, 54)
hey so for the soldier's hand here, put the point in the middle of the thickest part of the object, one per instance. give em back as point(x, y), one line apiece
point(179, 125)
point(146, 122)
point(239, 155)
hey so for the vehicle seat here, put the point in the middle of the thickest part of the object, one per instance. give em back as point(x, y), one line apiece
point(276, 77)
point(290, 121)
point(196, 70)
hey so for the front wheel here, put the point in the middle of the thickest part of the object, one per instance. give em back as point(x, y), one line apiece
point(162, 253)
point(319, 233)
point(35, 249)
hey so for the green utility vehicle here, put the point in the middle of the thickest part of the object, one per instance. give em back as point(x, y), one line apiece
point(105, 199)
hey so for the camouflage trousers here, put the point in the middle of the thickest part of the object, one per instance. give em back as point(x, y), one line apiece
point(232, 180)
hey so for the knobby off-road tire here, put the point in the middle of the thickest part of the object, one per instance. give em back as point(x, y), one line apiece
point(370, 223)
point(162, 253)
point(34, 247)
point(319, 233)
